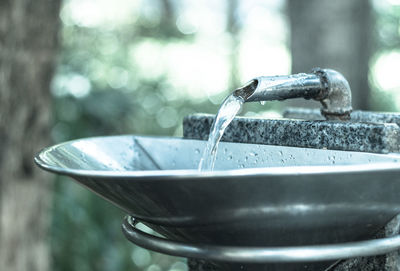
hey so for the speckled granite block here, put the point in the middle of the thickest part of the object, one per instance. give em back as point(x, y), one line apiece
point(348, 136)
point(356, 116)
point(203, 265)
point(367, 131)
point(387, 262)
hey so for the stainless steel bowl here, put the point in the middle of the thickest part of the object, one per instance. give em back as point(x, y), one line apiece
point(258, 195)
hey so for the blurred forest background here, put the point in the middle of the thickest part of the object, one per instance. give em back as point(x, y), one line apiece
point(139, 67)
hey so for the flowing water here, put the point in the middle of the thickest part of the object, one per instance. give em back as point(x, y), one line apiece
point(226, 113)
point(268, 88)
point(231, 106)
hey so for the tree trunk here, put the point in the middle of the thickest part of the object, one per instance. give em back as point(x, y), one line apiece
point(28, 42)
point(333, 34)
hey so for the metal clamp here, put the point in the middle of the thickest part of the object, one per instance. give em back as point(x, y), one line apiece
point(312, 253)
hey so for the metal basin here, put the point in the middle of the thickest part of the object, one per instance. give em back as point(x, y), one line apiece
point(258, 195)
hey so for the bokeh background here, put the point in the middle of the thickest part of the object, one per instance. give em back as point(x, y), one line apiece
point(139, 67)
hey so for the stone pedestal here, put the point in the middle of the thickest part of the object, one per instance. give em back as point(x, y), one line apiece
point(366, 132)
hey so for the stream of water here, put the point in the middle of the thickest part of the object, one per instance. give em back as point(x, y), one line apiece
point(226, 113)
point(230, 107)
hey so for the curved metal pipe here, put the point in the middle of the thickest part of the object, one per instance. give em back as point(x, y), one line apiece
point(324, 85)
point(244, 254)
point(337, 103)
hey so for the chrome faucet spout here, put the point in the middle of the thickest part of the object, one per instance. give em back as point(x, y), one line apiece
point(324, 85)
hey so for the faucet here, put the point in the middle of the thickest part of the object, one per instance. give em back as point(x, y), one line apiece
point(324, 85)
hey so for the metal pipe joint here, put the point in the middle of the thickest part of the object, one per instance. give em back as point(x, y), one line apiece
point(337, 102)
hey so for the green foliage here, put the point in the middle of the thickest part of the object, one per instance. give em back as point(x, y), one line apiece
point(383, 78)
point(387, 26)
point(98, 91)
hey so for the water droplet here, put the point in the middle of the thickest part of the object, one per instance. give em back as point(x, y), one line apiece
point(253, 154)
point(281, 153)
point(196, 151)
point(242, 166)
point(263, 102)
point(230, 157)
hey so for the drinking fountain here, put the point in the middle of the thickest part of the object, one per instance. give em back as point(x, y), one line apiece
point(287, 194)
